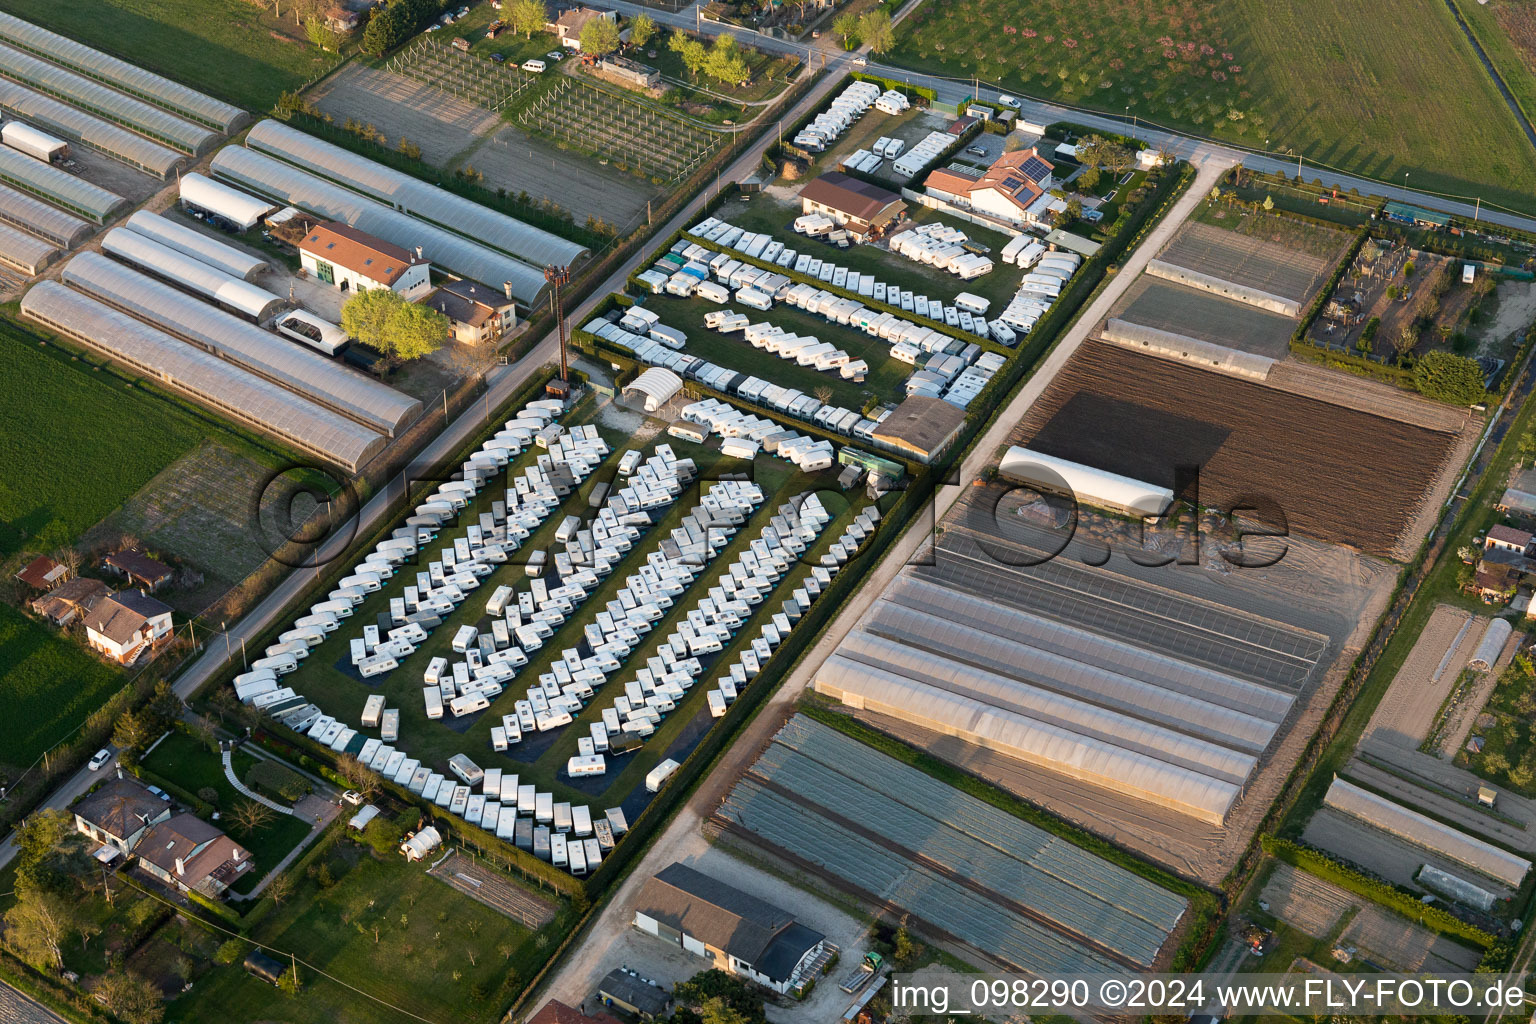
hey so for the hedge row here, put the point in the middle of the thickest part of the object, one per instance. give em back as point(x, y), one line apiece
point(1376, 890)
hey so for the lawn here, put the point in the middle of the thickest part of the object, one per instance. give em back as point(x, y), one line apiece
point(49, 685)
point(1508, 757)
point(188, 763)
point(231, 49)
point(390, 930)
point(1506, 30)
point(1344, 83)
point(326, 677)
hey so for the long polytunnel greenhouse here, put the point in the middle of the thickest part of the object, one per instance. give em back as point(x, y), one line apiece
point(59, 187)
point(272, 177)
point(35, 216)
point(239, 208)
point(221, 385)
point(89, 130)
point(901, 806)
point(296, 368)
point(81, 92)
point(26, 253)
point(1089, 707)
point(237, 294)
point(414, 196)
point(194, 243)
point(120, 74)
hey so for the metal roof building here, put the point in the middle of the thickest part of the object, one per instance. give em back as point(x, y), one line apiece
point(89, 130)
point(120, 74)
point(108, 103)
point(272, 177)
point(279, 360)
point(1085, 484)
point(58, 187)
point(26, 253)
point(37, 217)
point(414, 196)
point(238, 294)
point(1090, 707)
point(1427, 832)
point(223, 386)
point(239, 208)
point(194, 243)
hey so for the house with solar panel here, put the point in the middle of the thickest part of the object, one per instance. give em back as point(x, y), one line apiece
point(1015, 189)
point(740, 933)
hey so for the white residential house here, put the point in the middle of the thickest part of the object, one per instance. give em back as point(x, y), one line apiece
point(354, 260)
point(126, 624)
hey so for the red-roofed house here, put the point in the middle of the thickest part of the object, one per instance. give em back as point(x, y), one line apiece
point(1013, 189)
point(354, 260)
point(1507, 538)
point(43, 573)
point(556, 1012)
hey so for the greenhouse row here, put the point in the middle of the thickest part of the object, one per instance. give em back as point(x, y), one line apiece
point(193, 243)
point(221, 385)
point(23, 252)
point(288, 184)
point(121, 75)
point(36, 217)
point(308, 373)
point(413, 196)
point(97, 99)
point(58, 187)
point(88, 130)
point(926, 833)
point(237, 294)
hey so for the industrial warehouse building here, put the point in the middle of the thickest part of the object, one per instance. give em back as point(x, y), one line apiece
point(740, 933)
point(227, 388)
point(291, 185)
point(355, 261)
point(121, 75)
point(1087, 706)
point(535, 246)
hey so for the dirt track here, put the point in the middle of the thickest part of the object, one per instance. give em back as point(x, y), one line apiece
point(1407, 712)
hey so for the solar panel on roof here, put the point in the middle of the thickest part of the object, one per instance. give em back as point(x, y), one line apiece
point(1012, 183)
point(1036, 169)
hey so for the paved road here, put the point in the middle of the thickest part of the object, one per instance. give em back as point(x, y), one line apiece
point(503, 382)
point(571, 982)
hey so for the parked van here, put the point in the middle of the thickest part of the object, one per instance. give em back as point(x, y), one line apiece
point(534, 66)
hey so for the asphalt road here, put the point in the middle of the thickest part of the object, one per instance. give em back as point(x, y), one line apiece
point(503, 381)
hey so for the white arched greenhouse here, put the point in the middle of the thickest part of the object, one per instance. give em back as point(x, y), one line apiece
point(237, 294)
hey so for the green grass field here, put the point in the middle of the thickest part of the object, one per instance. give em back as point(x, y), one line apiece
point(1346, 83)
point(1506, 30)
point(49, 685)
point(228, 48)
point(388, 929)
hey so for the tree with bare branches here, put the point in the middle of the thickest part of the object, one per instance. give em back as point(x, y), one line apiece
point(280, 888)
point(250, 817)
point(358, 775)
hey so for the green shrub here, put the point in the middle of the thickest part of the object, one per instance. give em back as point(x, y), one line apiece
point(1447, 377)
point(229, 952)
point(273, 779)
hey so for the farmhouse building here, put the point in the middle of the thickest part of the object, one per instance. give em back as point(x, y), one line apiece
point(475, 313)
point(126, 624)
point(1015, 189)
point(138, 569)
point(43, 573)
point(119, 813)
point(70, 600)
point(861, 208)
point(187, 852)
point(740, 933)
point(340, 19)
point(569, 23)
point(354, 260)
point(556, 1012)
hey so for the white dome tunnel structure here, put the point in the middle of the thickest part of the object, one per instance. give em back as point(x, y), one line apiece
point(242, 209)
point(1095, 487)
point(178, 267)
point(657, 385)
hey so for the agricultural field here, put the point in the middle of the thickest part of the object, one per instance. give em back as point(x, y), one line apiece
point(49, 685)
point(1250, 441)
point(1250, 259)
point(420, 949)
point(231, 49)
point(1345, 84)
point(328, 679)
point(1506, 30)
point(1169, 306)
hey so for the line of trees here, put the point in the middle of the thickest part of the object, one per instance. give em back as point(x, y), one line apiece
point(872, 28)
point(397, 21)
point(723, 61)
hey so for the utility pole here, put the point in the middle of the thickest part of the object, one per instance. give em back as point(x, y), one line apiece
point(558, 276)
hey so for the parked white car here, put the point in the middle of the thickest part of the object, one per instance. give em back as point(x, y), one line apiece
point(101, 757)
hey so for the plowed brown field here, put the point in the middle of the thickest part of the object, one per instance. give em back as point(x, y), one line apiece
point(1322, 469)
